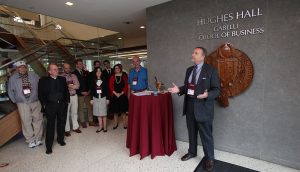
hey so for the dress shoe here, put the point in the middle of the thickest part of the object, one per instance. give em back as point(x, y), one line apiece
point(67, 133)
point(187, 157)
point(99, 130)
point(115, 127)
point(62, 143)
point(48, 151)
point(209, 165)
point(77, 130)
point(83, 124)
point(104, 131)
point(92, 124)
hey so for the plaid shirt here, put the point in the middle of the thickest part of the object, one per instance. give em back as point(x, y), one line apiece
point(71, 79)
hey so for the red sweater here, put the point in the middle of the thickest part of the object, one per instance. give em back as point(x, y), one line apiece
point(112, 81)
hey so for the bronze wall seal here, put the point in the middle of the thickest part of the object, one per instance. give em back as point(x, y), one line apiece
point(235, 70)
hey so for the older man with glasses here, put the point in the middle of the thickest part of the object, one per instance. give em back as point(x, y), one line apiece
point(54, 96)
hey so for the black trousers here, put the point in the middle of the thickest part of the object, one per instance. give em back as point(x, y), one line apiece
point(205, 132)
point(55, 112)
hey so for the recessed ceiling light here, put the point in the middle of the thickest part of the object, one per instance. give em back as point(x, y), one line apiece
point(142, 27)
point(119, 38)
point(69, 3)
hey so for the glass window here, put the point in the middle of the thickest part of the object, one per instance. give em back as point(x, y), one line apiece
point(88, 65)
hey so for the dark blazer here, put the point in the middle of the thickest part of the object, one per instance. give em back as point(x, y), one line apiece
point(44, 87)
point(106, 75)
point(208, 79)
point(83, 81)
point(104, 86)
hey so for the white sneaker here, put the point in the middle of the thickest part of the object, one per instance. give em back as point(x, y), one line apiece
point(38, 143)
point(32, 144)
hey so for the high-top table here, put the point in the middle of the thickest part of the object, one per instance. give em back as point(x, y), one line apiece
point(151, 125)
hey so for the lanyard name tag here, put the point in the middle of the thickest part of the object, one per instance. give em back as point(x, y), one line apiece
point(98, 90)
point(134, 81)
point(191, 89)
point(26, 91)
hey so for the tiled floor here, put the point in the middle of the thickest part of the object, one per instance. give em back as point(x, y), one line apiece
point(106, 152)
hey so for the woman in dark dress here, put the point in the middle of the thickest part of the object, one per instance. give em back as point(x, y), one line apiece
point(118, 86)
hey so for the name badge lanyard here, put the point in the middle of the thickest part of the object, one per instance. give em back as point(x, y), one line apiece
point(26, 90)
point(98, 87)
point(192, 85)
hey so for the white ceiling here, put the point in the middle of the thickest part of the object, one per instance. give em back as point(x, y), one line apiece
point(106, 14)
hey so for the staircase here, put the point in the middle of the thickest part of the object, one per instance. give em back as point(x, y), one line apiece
point(38, 52)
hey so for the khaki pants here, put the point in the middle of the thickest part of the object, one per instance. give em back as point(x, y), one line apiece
point(32, 120)
point(81, 101)
point(72, 113)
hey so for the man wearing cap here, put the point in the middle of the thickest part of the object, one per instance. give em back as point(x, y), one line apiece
point(23, 90)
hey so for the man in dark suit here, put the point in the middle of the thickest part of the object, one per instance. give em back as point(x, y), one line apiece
point(83, 93)
point(201, 87)
point(54, 96)
point(107, 71)
point(97, 64)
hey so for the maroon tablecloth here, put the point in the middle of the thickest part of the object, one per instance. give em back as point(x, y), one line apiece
point(151, 125)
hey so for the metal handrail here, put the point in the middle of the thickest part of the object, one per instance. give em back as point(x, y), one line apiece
point(52, 23)
point(73, 39)
point(30, 29)
point(44, 46)
point(28, 54)
point(24, 24)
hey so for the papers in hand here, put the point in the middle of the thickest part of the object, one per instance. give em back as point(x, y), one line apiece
point(143, 93)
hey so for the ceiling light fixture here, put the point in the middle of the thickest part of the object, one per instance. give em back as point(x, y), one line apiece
point(142, 27)
point(18, 19)
point(69, 3)
point(119, 38)
point(58, 27)
point(129, 54)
